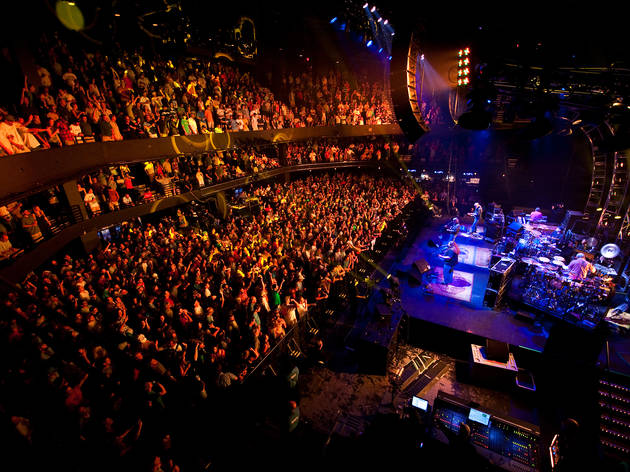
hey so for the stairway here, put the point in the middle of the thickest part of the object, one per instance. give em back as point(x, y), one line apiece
point(614, 406)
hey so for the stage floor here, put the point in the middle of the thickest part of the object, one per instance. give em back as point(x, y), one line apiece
point(460, 306)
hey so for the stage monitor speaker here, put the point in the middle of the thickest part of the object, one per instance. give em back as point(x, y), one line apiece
point(493, 231)
point(422, 265)
point(497, 351)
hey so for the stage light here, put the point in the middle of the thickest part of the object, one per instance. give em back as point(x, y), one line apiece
point(116, 14)
point(422, 57)
point(389, 58)
point(333, 20)
point(385, 22)
point(617, 217)
point(365, 6)
point(459, 81)
point(463, 65)
point(380, 50)
point(373, 9)
point(369, 43)
point(379, 20)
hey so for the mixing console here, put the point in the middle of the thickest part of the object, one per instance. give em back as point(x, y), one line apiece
point(507, 443)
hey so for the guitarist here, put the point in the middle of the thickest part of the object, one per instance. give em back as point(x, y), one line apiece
point(449, 256)
point(450, 230)
point(476, 214)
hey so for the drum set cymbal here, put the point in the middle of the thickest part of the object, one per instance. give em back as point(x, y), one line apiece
point(592, 242)
point(610, 250)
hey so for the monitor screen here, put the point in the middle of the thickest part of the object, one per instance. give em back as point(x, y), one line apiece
point(419, 403)
point(479, 416)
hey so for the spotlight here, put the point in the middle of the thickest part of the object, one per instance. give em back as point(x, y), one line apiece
point(333, 20)
point(373, 9)
point(422, 57)
point(369, 43)
point(366, 5)
point(379, 20)
point(380, 50)
point(385, 22)
point(389, 58)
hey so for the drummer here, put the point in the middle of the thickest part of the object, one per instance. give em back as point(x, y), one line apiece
point(536, 216)
point(579, 268)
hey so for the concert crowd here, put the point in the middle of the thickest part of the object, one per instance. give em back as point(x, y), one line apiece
point(37, 218)
point(104, 347)
point(83, 96)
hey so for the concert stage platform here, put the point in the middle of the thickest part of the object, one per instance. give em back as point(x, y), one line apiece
point(457, 310)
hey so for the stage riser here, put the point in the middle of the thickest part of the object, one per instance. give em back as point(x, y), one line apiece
point(454, 343)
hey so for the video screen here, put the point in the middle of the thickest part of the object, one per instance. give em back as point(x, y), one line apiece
point(479, 416)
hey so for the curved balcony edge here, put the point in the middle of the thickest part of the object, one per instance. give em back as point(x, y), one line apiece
point(16, 271)
point(25, 174)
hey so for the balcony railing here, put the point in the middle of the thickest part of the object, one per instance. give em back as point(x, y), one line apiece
point(25, 174)
point(15, 270)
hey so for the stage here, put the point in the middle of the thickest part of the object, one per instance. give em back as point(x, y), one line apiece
point(459, 307)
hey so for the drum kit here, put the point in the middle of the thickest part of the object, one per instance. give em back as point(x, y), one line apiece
point(549, 287)
point(547, 283)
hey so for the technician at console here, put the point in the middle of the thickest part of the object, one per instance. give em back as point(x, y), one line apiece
point(463, 454)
